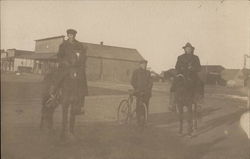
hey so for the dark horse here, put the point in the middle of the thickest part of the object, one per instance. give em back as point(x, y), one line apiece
point(65, 87)
point(73, 84)
point(187, 93)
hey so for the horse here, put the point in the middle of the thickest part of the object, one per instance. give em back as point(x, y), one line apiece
point(74, 89)
point(67, 87)
point(187, 93)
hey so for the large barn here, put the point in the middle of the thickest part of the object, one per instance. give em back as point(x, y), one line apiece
point(107, 63)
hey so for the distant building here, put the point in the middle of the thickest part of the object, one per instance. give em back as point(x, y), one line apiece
point(209, 74)
point(35, 62)
point(169, 74)
point(156, 76)
point(48, 45)
point(212, 74)
point(8, 59)
point(213, 69)
point(108, 63)
point(4, 62)
point(233, 76)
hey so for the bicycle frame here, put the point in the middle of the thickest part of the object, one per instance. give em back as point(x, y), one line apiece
point(130, 103)
point(129, 110)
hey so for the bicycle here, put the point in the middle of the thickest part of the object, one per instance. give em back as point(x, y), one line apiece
point(126, 112)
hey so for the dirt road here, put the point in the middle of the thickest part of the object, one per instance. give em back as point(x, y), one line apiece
point(99, 136)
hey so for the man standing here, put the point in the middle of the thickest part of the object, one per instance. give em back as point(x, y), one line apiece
point(142, 83)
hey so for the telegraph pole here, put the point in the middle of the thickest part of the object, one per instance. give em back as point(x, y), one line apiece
point(248, 79)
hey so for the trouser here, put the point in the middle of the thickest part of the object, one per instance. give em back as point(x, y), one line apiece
point(140, 111)
point(76, 105)
point(75, 109)
point(189, 117)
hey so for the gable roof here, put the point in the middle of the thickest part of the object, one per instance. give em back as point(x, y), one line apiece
point(112, 52)
point(213, 68)
point(39, 56)
point(54, 37)
point(20, 52)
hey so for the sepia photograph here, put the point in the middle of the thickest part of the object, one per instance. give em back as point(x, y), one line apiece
point(143, 79)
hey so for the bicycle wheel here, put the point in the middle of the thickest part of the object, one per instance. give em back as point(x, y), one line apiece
point(143, 115)
point(123, 112)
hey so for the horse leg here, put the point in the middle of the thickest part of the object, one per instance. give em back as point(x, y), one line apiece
point(190, 119)
point(65, 109)
point(72, 121)
point(195, 125)
point(42, 120)
point(50, 119)
point(180, 114)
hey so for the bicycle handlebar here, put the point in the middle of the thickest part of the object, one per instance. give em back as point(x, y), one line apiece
point(133, 92)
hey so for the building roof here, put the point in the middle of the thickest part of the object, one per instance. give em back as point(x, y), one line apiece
point(112, 52)
point(98, 51)
point(20, 52)
point(213, 68)
point(39, 56)
point(94, 50)
point(54, 37)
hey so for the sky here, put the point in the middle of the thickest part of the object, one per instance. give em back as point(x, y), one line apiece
point(219, 30)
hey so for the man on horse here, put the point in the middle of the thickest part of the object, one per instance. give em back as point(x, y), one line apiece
point(142, 83)
point(71, 78)
point(187, 67)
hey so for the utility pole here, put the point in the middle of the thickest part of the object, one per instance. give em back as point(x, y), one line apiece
point(248, 80)
point(245, 60)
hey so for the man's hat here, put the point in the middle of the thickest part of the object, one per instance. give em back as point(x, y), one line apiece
point(71, 31)
point(188, 45)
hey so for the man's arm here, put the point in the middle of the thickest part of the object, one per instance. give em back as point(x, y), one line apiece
point(61, 55)
point(197, 64)
point(150, 81)
point(60, 73)
point(179, 65)
point(134, 79)
point(84, 56)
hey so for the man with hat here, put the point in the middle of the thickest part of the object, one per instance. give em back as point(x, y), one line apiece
point(71, 75)
point(188, 64)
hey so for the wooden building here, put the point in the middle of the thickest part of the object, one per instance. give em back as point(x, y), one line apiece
point(107, 63)
point(8, 62)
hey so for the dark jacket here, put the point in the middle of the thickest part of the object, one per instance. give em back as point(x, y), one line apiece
point(141, 81)
point(188, 65)
point(71, 75)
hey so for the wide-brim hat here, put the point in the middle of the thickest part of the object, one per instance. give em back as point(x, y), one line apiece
point(71, 31)
point(188, 45)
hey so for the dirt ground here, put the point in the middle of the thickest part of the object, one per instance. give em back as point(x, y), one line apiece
point(100, 137)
